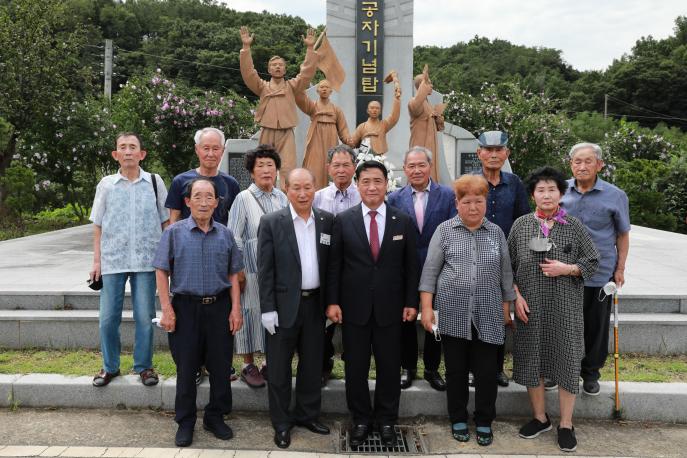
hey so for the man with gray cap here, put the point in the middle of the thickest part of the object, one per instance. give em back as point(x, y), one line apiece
point(507, 199)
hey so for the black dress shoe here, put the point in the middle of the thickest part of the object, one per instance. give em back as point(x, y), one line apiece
point(282, 439)
point(217, 427)
point(184, 436)
point(407, 377)
point(358, 435)
point(314, 426)
point(388, 435)
point(435, 380)
point(502, 379)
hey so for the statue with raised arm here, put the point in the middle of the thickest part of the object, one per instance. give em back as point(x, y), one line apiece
point(327, 126)
point(276, 111)
point(375, 128)
point(425, 120)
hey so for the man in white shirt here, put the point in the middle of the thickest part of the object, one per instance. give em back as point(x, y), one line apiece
point(128, 217)
point(372, 288)
point(293, 250)
point(340, 195)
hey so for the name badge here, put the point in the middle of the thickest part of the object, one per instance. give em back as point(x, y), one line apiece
point(325, 239)
point(398, 237)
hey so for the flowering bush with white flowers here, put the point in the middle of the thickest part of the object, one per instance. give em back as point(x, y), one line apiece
point(366, 153)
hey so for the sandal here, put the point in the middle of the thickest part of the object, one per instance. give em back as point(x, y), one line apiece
point(460, 432)
point(102, 378)
point(484, 435)
point(149, 377)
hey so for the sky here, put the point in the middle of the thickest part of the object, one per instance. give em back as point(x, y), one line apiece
point(590, 33)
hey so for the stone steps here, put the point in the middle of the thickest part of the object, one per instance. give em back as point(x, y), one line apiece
point(665, 402)
point(89, 300)
point(650, 333)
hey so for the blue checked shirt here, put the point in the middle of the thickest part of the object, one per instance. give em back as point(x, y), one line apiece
point(200, 263)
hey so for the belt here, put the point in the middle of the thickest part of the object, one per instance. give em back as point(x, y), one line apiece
point(204, 299)
point(309, 292)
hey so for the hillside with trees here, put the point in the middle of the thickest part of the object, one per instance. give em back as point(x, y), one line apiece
point(176, 69)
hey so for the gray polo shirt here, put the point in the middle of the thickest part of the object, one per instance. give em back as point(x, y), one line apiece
point(605, 212)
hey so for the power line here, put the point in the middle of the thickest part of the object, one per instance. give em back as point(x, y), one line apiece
point(663, 115)
point(183, 60)
point(648, 117)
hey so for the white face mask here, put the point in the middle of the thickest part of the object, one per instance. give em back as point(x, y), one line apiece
point(540, 244)
point(608, 289)
point(435, 328)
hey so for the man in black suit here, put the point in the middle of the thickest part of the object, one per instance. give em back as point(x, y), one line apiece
point(371, 289)
point(293, 251)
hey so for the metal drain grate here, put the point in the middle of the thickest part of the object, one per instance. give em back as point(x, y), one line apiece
point(408, 441)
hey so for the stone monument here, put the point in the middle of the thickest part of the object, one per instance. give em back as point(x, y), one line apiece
point(393, 22)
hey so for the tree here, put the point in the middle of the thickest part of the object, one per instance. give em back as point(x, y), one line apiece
point(39, 66)
point(538, 133)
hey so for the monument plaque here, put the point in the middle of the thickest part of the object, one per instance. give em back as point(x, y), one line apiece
point(369, 36)
point(469, 163)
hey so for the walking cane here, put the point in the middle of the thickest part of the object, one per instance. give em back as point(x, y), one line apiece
point(616, 356)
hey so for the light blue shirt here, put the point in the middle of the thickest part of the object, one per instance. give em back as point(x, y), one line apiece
point(130, 219)
point(605, 212)
point(332, 200)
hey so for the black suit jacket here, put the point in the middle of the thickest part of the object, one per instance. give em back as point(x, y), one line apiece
point(279, 264)
point(364, 288)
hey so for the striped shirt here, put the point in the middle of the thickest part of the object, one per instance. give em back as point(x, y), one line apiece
point(244, 219)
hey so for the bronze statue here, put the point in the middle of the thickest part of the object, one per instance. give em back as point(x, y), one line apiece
point(276, 112)
point(375, 128)
point(425, 120)
point(327, 126)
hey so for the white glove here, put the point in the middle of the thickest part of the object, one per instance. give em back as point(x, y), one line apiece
point(270, 321)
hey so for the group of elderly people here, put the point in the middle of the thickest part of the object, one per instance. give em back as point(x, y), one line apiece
point(494, 253)
point(544, 266)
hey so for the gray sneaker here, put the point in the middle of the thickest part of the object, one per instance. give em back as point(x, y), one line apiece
point(591, 387)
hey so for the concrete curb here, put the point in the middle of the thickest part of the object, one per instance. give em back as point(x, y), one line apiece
point(90, 300)
point(647, 333)
point(666, 402)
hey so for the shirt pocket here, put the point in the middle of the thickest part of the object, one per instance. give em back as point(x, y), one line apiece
point(222, 260)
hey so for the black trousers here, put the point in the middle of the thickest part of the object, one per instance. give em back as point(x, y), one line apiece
point(307, 337)
point(597, 316)
point(431, 355)
point(500, 357)
point(460, 355)
point(202, 337)
point(360, 342)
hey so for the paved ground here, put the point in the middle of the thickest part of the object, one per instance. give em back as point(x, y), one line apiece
point(149, 429)
point(60, 261)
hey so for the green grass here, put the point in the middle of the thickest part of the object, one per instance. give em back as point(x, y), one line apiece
point(9, 231)
point(633, 367)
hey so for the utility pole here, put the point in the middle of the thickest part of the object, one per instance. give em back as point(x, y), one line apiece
point(108, 69)
point(605, 106)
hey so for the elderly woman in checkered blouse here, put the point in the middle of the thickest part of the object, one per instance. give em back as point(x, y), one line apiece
point(552, 255)
point(468, 279)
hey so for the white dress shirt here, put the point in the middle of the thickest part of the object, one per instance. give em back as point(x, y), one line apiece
point(380, 219)
point(307, 249)
point(334, 201)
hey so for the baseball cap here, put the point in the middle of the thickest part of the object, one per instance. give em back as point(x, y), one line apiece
point(493, 138)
